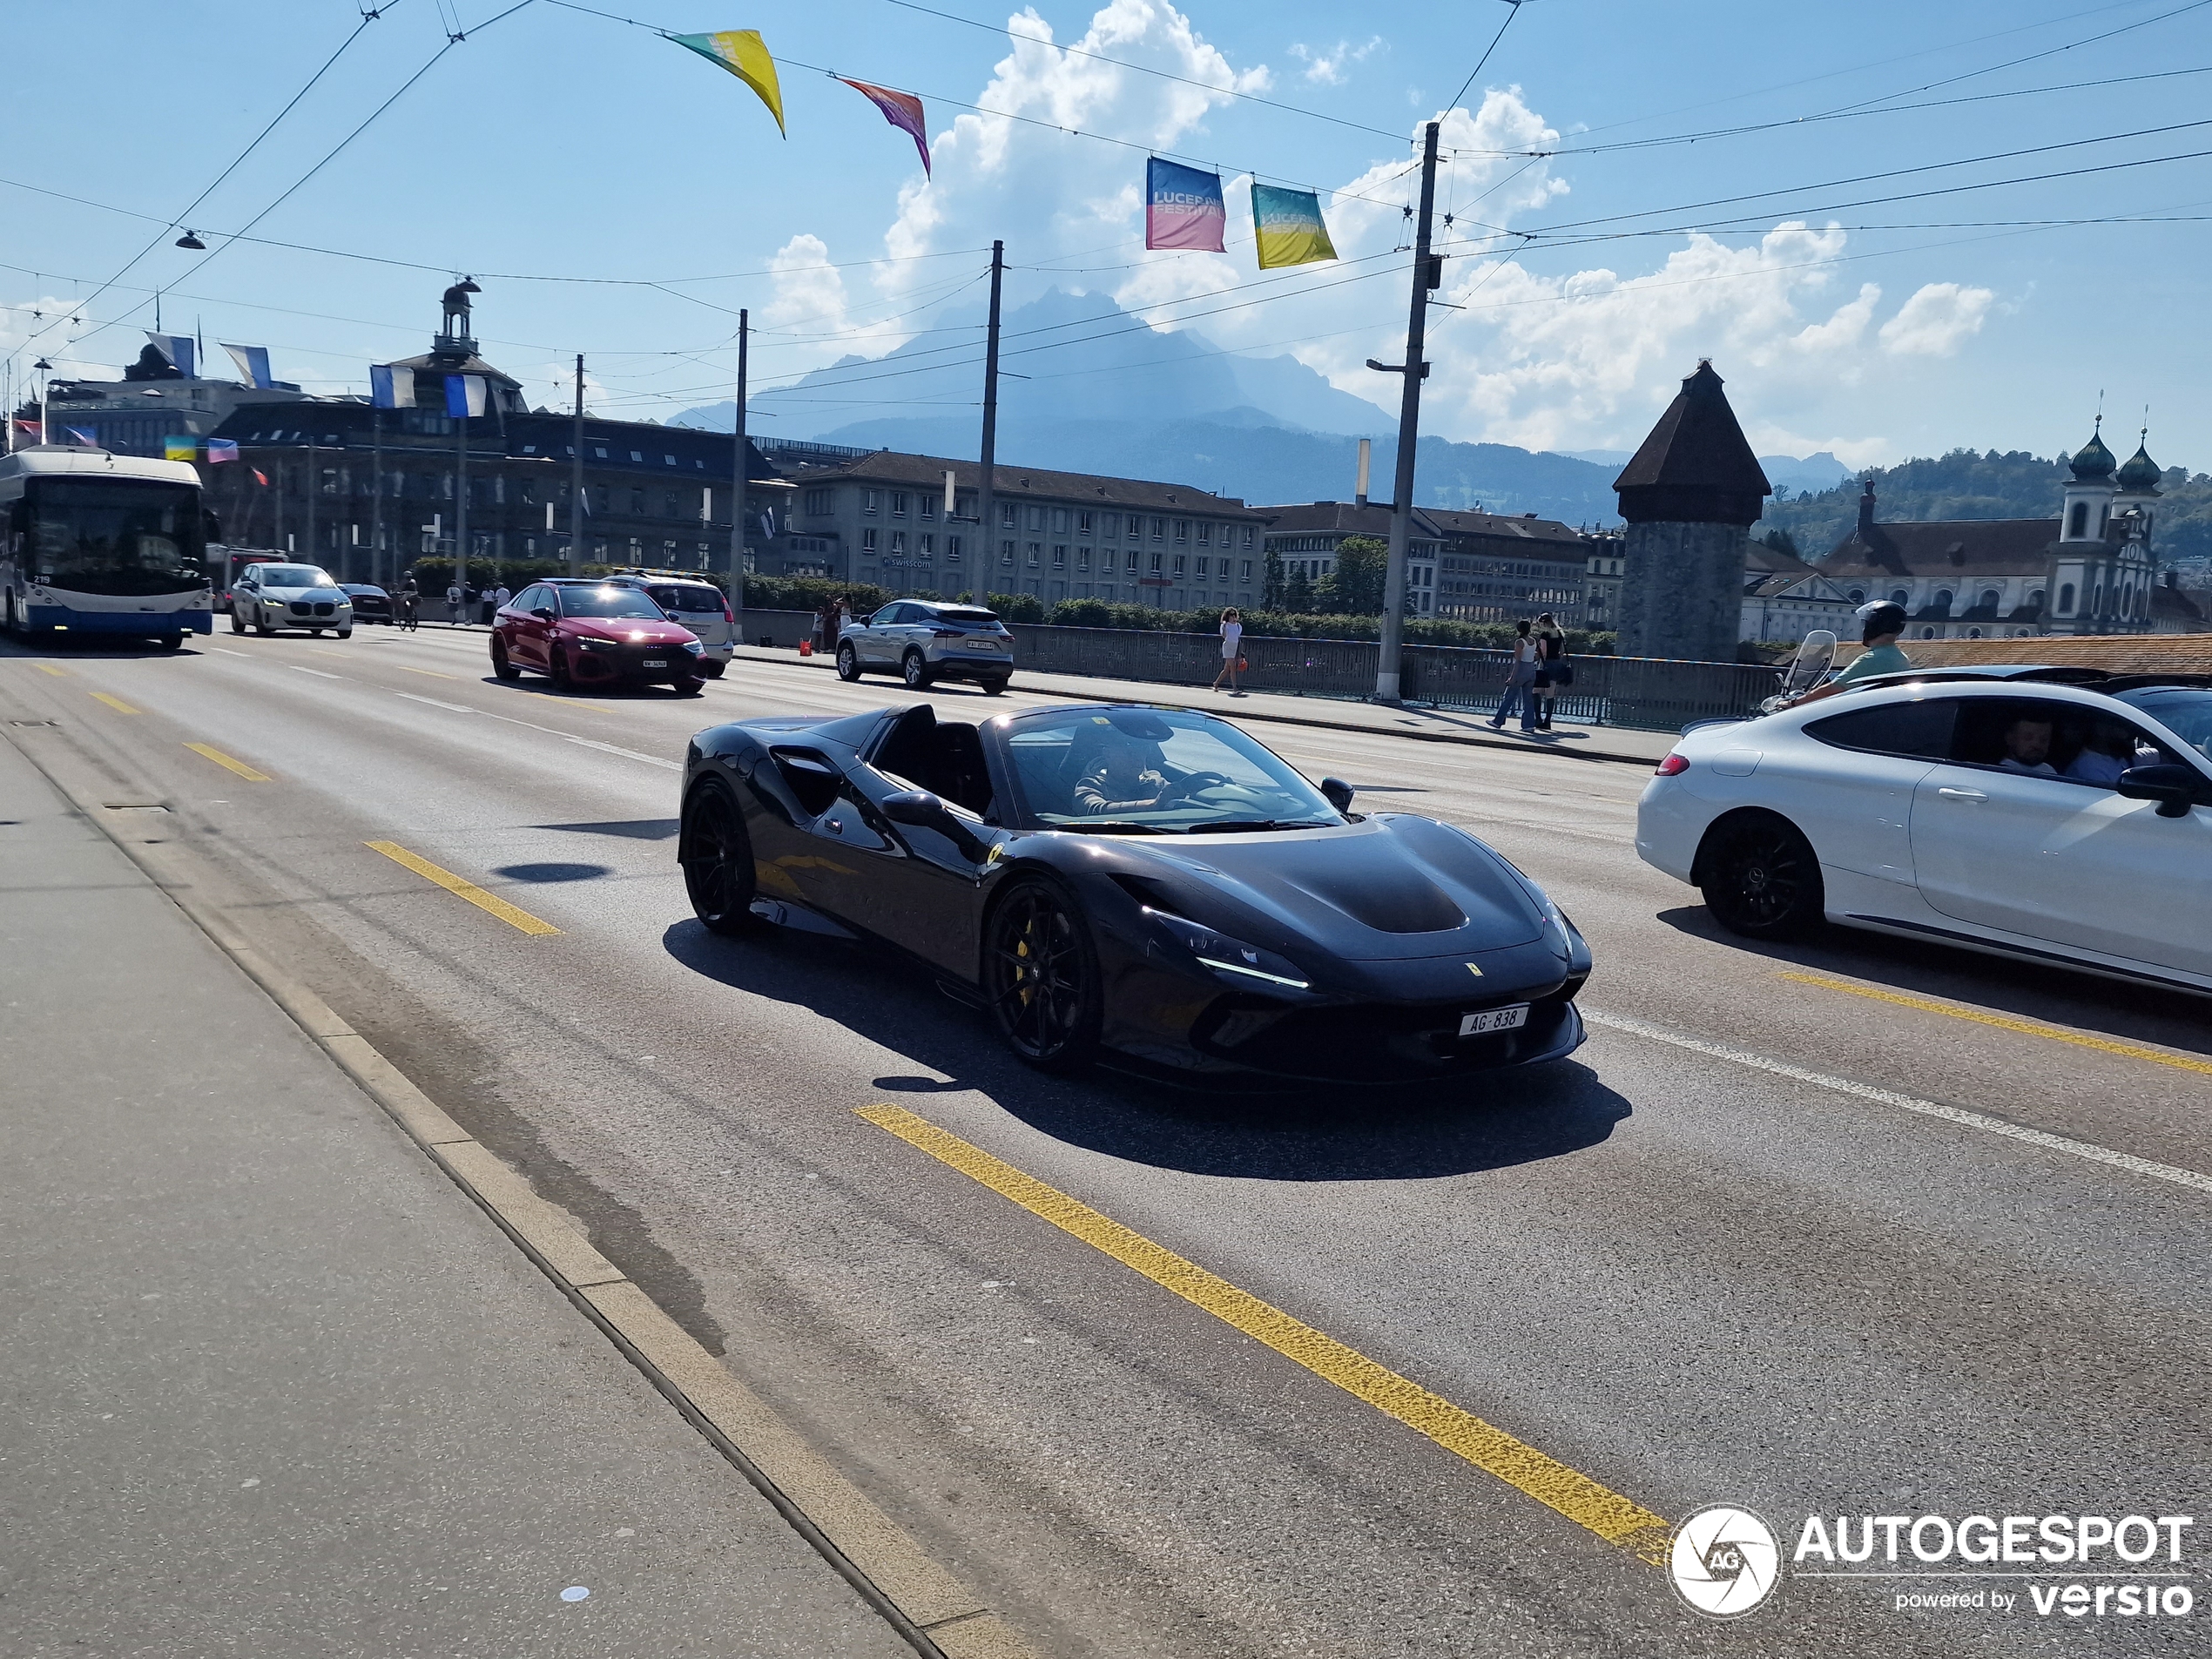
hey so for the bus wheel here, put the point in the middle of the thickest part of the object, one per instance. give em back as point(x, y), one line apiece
point(172, 642)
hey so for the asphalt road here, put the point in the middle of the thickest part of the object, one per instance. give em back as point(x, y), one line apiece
point(1708, 1260)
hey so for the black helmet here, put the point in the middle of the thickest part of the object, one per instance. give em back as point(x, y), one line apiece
point(1883, 617)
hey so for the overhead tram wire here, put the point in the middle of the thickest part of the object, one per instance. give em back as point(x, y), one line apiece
point(1002, 32)
point(237, 161)
point(1513, 11)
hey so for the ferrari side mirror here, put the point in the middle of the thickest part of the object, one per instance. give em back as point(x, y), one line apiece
point(918, 809)
point(1338, 793)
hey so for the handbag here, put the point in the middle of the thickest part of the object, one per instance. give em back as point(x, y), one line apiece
point(1244, 666)
point(1563, 672)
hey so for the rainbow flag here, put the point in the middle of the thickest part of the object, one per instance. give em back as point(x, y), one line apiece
point(742, 53)
point(1183, 207)
point(184, 448)
point(902, 110)
point(1288, 226)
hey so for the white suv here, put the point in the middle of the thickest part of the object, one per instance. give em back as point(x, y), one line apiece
point(271, 596)
point(2006, 810)
point(920, 641)
point(696, 604)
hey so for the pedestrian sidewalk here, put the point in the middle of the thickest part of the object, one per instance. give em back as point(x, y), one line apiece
point(274, 1384)
point(1618, 743)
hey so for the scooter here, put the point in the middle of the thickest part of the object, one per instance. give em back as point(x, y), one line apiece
point(1807, 671)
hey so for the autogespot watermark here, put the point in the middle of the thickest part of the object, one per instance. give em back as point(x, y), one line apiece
point(1726, 1562)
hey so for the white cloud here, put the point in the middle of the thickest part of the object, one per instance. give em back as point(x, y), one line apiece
point(1935, 320)
point(1326, 66)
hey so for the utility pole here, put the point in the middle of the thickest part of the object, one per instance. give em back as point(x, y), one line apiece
point(461, 514)
point(575, 479)
point(1413, 371)
point(986, 511)
point(377, 566)
point(738, 469)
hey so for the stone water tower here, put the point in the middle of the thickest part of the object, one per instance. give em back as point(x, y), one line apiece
point(1689, 495)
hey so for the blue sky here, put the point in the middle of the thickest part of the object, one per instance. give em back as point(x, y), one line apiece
point(555, 144)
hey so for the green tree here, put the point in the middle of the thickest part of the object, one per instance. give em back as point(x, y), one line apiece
point(1355, 587)
point(1297, 594)
point(1781, 541)
point(1271, 596)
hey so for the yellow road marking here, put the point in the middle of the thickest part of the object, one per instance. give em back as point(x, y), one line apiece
point(432, 672)
point(115, 703)
point(222, 759)
point(2025, 1027)
point(514, 917)
point(1573, 1495)
point(58, 673)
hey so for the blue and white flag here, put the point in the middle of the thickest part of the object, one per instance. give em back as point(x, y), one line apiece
point(89, 436)
point(464, 395)
point(253, 363)
point(177, 348)
point(390, 387)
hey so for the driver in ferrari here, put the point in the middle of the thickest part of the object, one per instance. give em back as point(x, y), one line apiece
point(1122, 780)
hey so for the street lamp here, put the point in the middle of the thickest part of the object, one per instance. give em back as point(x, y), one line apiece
point(191, 239)
point(43, 369)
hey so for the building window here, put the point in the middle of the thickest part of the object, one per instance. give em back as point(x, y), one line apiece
point(898, 503)
point(867, 500)
point(1205, 535)
point(1083, 560)
point(1059, 555)
point(898, 538)
point(1182, 531)
point(1900, 597)
point(926, 546)
point(820, 500)
point(1178, 567)
point(952, 549)
point(1248, 535)
point(1159, 560)
point(1036, 518)
point(669, 509)
point(2065, 599)
point(867, 541)
point(2077, 522)
point(1133, 556)
point(1082, 524)
point(1036, 553)
point(1006, 550)
point(929, 507)
point(1135, 527)
point(637, 504)
point(1006, 515)
point(1244, 573)
point(1159, 529)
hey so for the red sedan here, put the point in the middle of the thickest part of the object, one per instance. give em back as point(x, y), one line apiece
point(589, 633)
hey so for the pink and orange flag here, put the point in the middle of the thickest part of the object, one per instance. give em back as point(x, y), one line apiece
point(902, 110)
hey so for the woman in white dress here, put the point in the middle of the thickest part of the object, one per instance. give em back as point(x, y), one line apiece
point(1232, 635)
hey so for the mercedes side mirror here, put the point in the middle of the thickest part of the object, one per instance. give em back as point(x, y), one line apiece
point(918, 809)
point(1338, 793)
point(2173, 787)
point(544, 613)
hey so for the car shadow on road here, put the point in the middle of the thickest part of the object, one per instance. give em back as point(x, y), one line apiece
point(2046, 992)
point(1486, 1123)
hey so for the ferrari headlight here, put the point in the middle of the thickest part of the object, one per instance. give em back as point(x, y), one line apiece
point(1246, 964)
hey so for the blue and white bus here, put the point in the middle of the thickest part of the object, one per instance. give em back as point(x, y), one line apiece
point(93, 544)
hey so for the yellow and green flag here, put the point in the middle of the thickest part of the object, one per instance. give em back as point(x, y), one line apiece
point(1287, 225)
point(741, 52)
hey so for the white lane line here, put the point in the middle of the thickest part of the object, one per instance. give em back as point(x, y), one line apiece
point(317, 672)
point(227, 651)
point(454, 708)
point(566, 737)
point(1956, 1115)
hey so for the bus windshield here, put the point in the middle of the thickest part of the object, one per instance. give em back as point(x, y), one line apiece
point(119, 536)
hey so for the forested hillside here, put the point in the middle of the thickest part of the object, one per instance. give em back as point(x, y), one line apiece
point(1965, 485)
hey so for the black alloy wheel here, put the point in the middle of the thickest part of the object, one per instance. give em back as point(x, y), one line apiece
point(1041, 977)
point(716, 856)
point(261, 625)
point(848, 663)
point(345, 633)
point(917, 671)
point(238, 623)
point(995, 686)
point(500, 664)
point(558, 668)
point(689, 685)
point(1762, 879)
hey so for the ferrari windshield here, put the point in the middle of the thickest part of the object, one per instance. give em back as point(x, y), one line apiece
point(608, 602)
point(1156, 770)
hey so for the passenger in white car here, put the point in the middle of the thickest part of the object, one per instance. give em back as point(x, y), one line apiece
point(2107, 751)
point(2027, 748)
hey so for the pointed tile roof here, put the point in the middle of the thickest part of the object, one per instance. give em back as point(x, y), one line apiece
point(1696, 466)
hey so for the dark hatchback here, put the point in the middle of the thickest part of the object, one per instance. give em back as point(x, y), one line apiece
point(1147, 882)
point(371, 604)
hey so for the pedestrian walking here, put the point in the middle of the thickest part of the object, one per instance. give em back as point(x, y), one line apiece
point(484, 597)
point(1520, 679)
point(410, 600)
point(1232, 649)
point(1553, 670)
point(454, 613)
point(823, 624)
point(844, 621)
point(499, 599)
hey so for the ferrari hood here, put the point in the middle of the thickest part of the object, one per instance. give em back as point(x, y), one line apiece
point(1392, 887)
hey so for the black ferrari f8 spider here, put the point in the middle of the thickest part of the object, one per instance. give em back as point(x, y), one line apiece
point(1147, 882)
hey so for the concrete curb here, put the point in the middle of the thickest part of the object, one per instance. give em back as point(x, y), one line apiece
point(930, 1608)
point(1472, 740)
